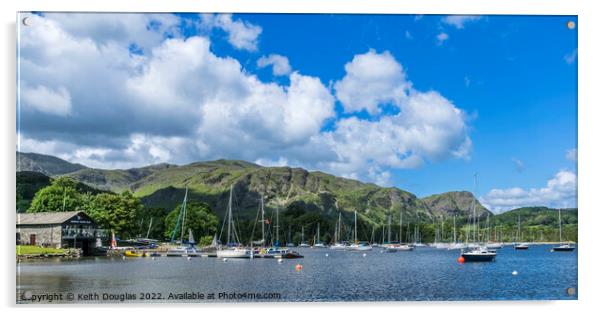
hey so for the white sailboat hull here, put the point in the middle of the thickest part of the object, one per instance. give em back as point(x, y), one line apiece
point(234, 253)
point(358, 248)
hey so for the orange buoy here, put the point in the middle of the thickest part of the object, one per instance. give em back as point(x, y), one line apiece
point(298, 267)
point(460, 259)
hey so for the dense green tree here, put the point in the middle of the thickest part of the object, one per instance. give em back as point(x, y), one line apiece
point(151, 222)
point(60, 196)
point(199, 218)
point(116, 211)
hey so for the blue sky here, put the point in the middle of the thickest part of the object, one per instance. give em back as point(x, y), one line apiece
point(417, 102)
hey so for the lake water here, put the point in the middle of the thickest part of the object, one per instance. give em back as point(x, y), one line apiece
point(423, 274)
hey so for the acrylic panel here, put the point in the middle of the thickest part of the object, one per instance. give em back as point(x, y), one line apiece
point(214, 157)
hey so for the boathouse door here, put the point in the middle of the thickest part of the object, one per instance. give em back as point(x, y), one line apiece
point(32, 239)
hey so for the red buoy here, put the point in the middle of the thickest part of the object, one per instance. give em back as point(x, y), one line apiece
point(460, 259)
point(298, 267)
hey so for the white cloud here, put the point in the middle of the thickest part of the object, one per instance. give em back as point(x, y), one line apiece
point(441, 38)
point(371, 79)
point(241, 34)
point(280, 162)
point(179, 102)
point(571, 155)
point(560, 191)
point(458, 21)
point(142, 30)
point(408, 35)
point(41, 98)
point(571, 57)
point(279, 63)
point(231, 106)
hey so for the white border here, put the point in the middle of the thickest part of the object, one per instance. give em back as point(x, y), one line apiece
point(589, 144)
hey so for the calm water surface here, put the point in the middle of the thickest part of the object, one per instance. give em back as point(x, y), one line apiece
point(423, 274)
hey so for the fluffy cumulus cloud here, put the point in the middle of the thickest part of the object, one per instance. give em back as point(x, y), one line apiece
point(459, 21)
point(241, 34)
point(46, 100)
point(560, 191)
point(147, 94)
point(279, 63)
point(371, 80)
point(427, 126)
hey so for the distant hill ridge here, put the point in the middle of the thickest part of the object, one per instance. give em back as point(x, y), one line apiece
point(163, 185)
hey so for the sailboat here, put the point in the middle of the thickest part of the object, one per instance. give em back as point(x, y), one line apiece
point(276, 251)
point(236, 251)
point(337, 235)
point(317, 243)
point(477, 253)
point(185, 248)
point(492, 245)
point(356, 246)
point(303, 244)
point(390, 247)
point(290, 242)
point(455, 244)
point(522, 245)
point(562, 247)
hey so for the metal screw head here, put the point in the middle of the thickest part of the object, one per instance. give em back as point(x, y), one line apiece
point(570, 291)
point(570, 25)
point(27, 295)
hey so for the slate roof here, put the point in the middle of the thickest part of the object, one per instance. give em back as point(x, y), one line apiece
point(44, 218)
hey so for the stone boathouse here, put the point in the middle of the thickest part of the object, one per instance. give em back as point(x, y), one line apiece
point(58, 230)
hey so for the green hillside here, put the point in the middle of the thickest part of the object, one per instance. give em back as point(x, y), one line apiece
point(453, 203)
point(303, 198)
point(48, 165)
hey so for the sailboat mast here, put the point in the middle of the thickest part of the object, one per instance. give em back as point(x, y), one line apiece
point(455, 241)
point(519, 237)
point(389, 229)
point(355, 231)
point(560, 225)
point(474, 210)
point(184, 214)
point(318, 238)
point(229, 215)
point(149, 227)
point(277, 227)
point(262, 223)
point(400, 225)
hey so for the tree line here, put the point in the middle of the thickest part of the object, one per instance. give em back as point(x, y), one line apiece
point(124, 213)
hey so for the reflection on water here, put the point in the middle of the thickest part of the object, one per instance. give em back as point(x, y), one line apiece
point(424, 274)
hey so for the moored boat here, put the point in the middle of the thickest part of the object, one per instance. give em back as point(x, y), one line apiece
point(233, 251)
point(133, 254)
point(562, 247)
point(565, 247)
point(521, 246)
point(478, 255)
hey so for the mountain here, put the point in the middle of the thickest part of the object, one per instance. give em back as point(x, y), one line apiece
point(453, 203)
point(116, 179)
point(30, 182)
point(288, 188)
point(536, 216)
point(48, 165)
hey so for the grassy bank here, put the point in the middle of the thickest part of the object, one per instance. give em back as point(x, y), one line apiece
point(35, 250)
